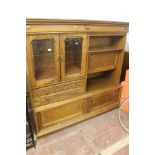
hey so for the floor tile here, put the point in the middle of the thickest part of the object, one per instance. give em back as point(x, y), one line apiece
point(73, 145)
point(86, 138)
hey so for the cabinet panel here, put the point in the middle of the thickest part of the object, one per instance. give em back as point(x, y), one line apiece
point(102, 99)
point(58, 88)
point(102, 61)
point(47, 95)
point(73, 56)
point(43, 51)
point(59, 114)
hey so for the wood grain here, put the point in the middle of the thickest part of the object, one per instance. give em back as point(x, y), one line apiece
point(54, 103)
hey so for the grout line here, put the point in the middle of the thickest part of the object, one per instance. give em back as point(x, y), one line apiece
point(57, 139)
point(89, 142)
point(115, 147)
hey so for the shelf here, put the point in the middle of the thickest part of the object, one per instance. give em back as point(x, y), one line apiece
point(72, 62)
point(44, 54)
point(103, 49)
point(72, 70)
point(106, 68)
point(44, 67)
point(99, 83)
point(77, 51)
point(45, 74)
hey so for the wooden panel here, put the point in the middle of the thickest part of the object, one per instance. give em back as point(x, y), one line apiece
point(58, 88)
point(48, 99)
point(102, 61)
point(47, 95)
point(74, 28)
point(59, 114)
point(115, 76)
point(102, 99)
point(75, 110)
point(45, 21)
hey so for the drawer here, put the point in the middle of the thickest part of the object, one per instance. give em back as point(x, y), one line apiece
point(74, 28)
point(102, 99)
point(59, 92)
point(59, 114)
point(102, 61)
point(47, 99)
point(58, 88)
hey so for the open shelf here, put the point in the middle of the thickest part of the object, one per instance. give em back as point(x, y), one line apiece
point(103, 49)
point(105, 43)
point(100, 81)
point(103, 52)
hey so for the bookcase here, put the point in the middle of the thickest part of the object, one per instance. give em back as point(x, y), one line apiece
point(73, 69)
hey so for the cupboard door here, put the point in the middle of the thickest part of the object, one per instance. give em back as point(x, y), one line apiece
point(43, 53)
point(102, 99)
point(60, 114)
point(73, 56)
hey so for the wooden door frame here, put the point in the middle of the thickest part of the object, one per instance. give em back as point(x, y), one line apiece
point(30, 60)
point(83, 59)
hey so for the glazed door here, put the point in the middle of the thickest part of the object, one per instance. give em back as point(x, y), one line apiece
point(73, 56)
point(43, 54)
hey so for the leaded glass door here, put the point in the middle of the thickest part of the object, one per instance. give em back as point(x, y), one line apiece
point(73, 56)
point(43, 54)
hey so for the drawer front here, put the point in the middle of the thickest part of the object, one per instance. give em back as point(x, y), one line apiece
point(58, 88)
point(74, 28)
point(47, 99)
point(102, 99)
point(59, 114)
point(67, 91)
point(102, 61)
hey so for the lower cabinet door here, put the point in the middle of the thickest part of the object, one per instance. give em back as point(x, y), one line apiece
point(102, 99)
point(59, 114)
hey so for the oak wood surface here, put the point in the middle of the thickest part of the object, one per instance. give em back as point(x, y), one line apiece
point(74, 94)
point(44, 21)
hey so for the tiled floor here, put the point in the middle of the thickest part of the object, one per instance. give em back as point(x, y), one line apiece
point(92, 137)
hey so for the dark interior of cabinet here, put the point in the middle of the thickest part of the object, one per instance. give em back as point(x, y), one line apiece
point(100, 81)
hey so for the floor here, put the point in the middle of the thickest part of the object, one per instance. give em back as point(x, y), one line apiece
point(101, 135)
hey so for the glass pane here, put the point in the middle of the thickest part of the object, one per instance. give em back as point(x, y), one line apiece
point(73, 54)
point(43, 53)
